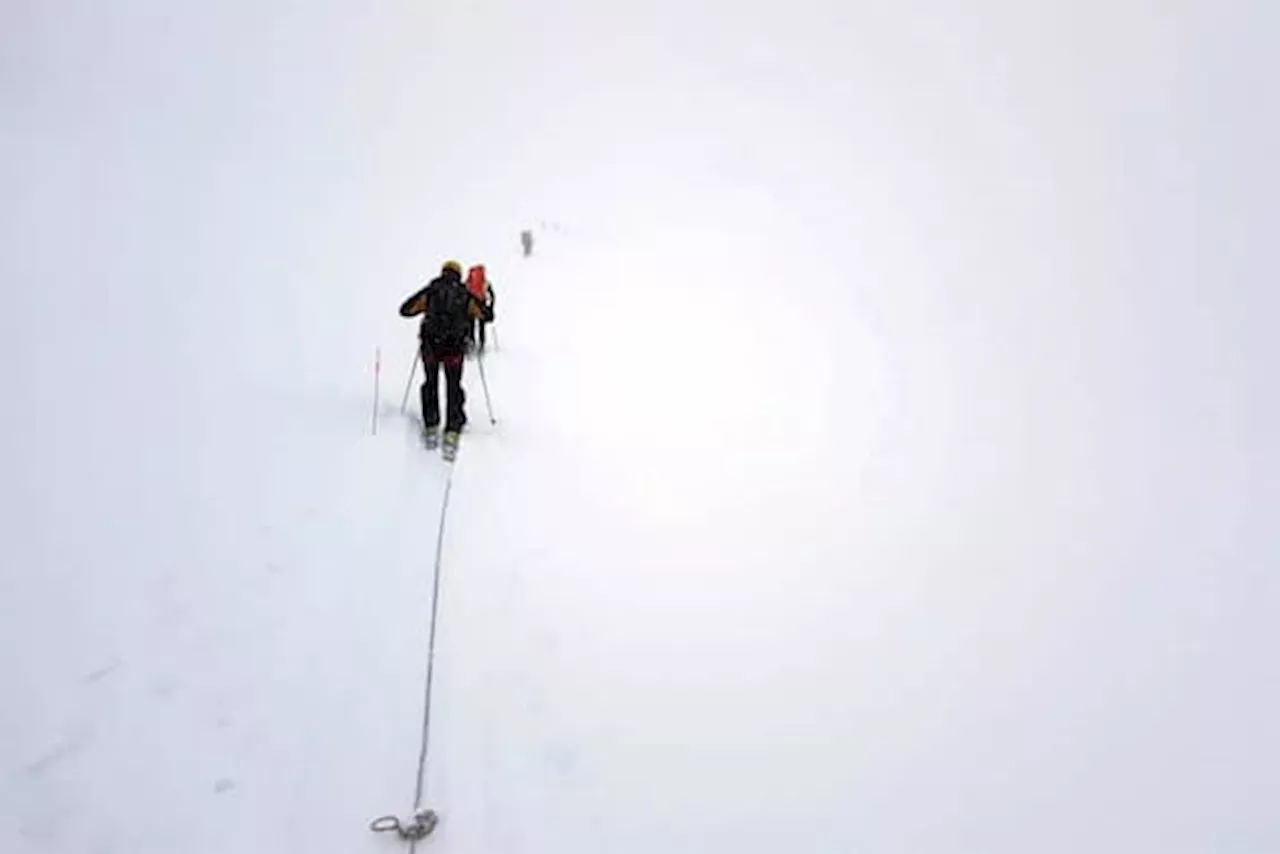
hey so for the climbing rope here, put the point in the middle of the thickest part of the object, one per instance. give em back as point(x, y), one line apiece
point(424, 821)
point(419, 827)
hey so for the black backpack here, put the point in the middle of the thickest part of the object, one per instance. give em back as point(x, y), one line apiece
point(448, 316)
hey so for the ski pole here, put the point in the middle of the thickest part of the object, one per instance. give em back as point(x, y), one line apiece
point(412, 370)
point(485, 385)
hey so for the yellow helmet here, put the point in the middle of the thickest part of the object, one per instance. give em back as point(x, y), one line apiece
point(451, 265)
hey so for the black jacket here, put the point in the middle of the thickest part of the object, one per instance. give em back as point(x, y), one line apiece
point(469, 307)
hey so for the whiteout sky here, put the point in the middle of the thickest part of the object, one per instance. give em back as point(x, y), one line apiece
point(887, 457)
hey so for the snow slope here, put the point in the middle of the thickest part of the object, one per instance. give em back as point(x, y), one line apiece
point(885, 456)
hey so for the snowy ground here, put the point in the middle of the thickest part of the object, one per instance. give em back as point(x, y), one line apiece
point(885, 454)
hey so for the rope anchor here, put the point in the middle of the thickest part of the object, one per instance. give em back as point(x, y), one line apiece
point(424, 821)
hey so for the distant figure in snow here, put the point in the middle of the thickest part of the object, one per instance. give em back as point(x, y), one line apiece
point(482, 290)
point(447, 310)
point(526, 242)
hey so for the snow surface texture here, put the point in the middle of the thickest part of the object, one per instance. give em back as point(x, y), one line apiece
point(886, 454)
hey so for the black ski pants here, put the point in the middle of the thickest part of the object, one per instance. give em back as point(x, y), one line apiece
point(455, 397)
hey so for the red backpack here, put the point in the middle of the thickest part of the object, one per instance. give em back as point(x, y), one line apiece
point(475, 281)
